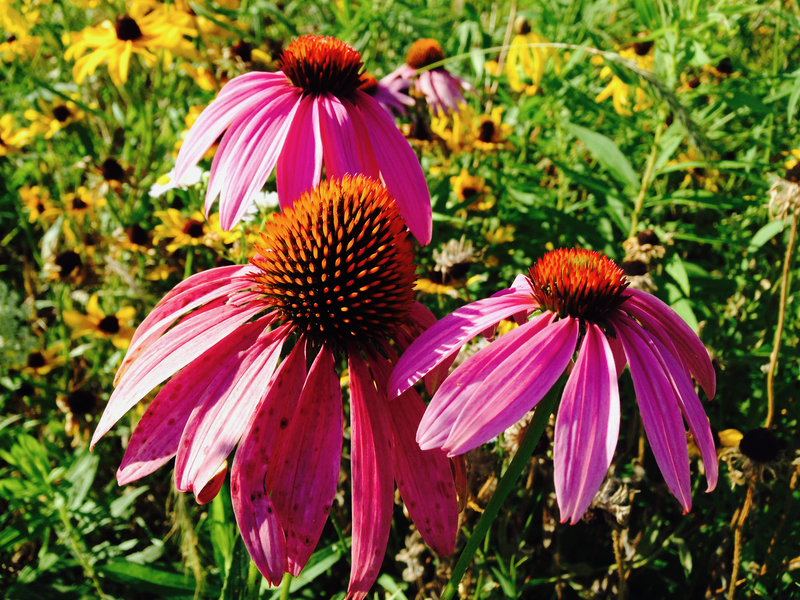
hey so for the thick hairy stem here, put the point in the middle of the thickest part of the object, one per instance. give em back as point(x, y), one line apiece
point(776, 345)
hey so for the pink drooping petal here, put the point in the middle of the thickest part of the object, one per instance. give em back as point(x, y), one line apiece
point(667, 326)
point(307, 470)
point(363, 148)
point(692, 410)
point(213, 485)
point(300, 163)
point(176, 349)
point(511, 387)
point(400, 78)
point(620, 362)
point(438, 342)
point(345, 141)
point(215, 427)
point(399, 167)
point(658, 406)
point(191, 293)
point(157, 436)
point(423, 477)
point(240, 97)
point(448, 90)
point(449, 402)
point(256, 516)
point(424, 85)
point(424, 319)
point(587, 426)
point(254, 158)
point(372, 476)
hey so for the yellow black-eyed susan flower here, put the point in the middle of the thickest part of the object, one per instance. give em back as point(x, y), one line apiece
point(53, 117)
point(11, 138)
point(190, 231)
point(96, 323)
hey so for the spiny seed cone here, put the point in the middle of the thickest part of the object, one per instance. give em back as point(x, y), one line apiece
point(423, 53)
point(321, 65)
point(577, 283)
point(339, 264)
point(760, 445)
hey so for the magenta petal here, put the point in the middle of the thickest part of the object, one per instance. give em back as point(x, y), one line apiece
point(620, 362)
point(587, 426)
point(423, 477)
point(424, 319)
point(191, 293)
point(658, 406)
point(176, 349)
point(300, 163)
point(256, 516)
point(215, 428)
point(512, 386)
point(439, 342)
point(345, 141)
point(665, 324)
point(307, 469)
point(372, 477)
point(155, 439)
point(254, 158)
point(399, 168)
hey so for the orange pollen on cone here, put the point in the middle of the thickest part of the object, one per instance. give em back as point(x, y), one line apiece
point(339, 264)
point(320, 65)
point(423, 53)
point(577, 283)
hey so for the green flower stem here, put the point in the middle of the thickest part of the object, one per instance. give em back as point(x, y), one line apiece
point(287, 584)
point(648, 172)
point(540, 417)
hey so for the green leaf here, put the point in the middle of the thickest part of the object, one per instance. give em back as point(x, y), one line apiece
point(236, 578)
point(319, 563)
point(478, 59)
point(119, 506)
point(607, 154)
point(222, 533)
point(81, 475)
point(765, 234)
point(648, 13)
point(677, 271)
point(683, 555)
point(793, 97)
point(147, 579)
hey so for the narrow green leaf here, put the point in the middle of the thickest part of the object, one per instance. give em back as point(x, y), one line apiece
point(147, 579)
point(607, 154)
point(765, 234)
point(793, 97)
point(236, 578)
point(677, 271)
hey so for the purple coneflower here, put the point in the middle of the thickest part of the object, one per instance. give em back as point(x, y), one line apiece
point(388, 92)
point(442, 90)
point(309, 113)
point(334, 274)
point(582, 305)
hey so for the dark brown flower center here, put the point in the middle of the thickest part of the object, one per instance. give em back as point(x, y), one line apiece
point(486, 132)
point(109, 324)
point(760, 445)
point(112, 170)
point(81, 402)
point(61, 113)
point(725, 66)
point(243, 50)
point(648, 236)
point(68, 262)
point(634, 268)
point(577, 283)
point(469, 192)
point(423, 53)
point(368, 84)
point(339, 264)
point(193, 228)
point(320, 65)
point(36, 360)
point(642, 48)
point(78, 204)
point(137, 235)
point(127, 29)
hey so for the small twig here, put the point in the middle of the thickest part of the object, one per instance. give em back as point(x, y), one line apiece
point(506, 41)
point(620, 564)
point(773, 541)
point(776, 346)
point(737, 536)
point(648, 172)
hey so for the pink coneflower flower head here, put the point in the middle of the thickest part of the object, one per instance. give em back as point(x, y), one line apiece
point(333, 277)
point(309, 113)
point(442, 90)
point(582, 306)
point(389, 92)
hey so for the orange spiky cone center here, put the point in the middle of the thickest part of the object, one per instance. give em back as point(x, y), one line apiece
point(320, 65)
point(577, 283)
point(423, 53)
point(339, 264)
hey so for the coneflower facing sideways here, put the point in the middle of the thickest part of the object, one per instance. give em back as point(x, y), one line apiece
point(333, 276)
point(582, 305)
point(309, 113)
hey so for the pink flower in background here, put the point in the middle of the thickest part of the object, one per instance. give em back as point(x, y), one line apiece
point(333, 277)
point(389, 92)
point(442, 90)
point(309, 113)
point(583, 305)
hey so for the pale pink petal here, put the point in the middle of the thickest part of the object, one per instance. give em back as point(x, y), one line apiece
point(155, 440)
point(423, 477)
point(514, 385)
point(438, 342)
point(399, 167)
point(400, 78)
point(240, 97)
point(665, 324)
point(587, 426)
point(191, 293)
point(449, 402)
point(256, 516)
point(345, 142)
point(215, 427)
point(658, 406)
point(254, 158)
point(180, 346)
point(372, 477)
point(307, 469)
point(300, 163)
point(447, 90)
